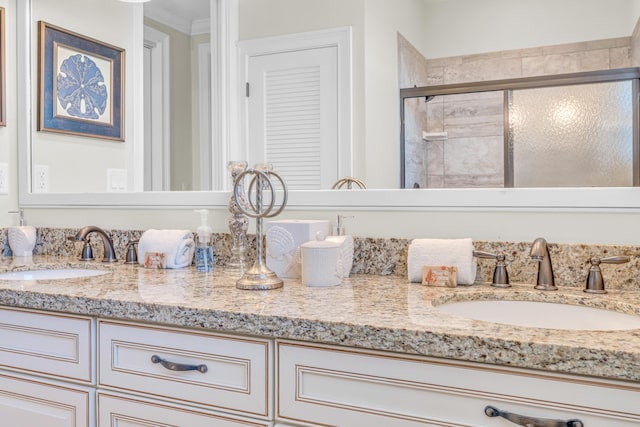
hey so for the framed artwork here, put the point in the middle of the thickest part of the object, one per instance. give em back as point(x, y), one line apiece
point(80, 85)
point(3, 104)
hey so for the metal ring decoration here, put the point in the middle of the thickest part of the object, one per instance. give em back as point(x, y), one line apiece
point(270, 173)
point(265, 175)
point(256, 212)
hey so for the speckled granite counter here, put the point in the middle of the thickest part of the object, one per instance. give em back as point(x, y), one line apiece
point(373, 312)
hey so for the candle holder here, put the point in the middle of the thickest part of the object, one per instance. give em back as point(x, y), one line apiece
point(238, 222)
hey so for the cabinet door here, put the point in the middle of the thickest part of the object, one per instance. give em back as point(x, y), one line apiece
point(115, 410)
point(28, 403)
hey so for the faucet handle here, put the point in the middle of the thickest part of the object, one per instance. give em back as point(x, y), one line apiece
point(595, 281)
point(500, 274)
point(87, 252)
point(132, 253)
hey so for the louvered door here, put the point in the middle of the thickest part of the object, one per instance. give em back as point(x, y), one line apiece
point(293, 115)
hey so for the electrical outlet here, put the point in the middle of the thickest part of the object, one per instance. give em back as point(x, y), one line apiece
point(4, 178)
point(41, 179)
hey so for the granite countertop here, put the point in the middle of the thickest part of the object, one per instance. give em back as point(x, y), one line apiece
point(372, 312)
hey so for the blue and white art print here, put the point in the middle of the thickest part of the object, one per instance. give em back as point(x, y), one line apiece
point(83, 84)
point(81, 88)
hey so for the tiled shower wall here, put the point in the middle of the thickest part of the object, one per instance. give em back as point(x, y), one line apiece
point(473, 153)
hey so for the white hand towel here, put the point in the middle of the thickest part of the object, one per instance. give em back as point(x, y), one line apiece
point(178, 245)
point(450, 252)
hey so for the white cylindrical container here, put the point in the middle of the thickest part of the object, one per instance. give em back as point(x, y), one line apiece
point(321, 262)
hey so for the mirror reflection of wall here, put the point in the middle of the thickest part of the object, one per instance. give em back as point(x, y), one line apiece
point(177, 137)
point(65, 162)
point(8, 132)
point(375, 24)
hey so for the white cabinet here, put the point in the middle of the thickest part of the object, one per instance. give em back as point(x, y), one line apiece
point(37, 345)
point(334, 386)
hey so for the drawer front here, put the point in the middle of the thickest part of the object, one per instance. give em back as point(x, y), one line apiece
point(47, 344)
point(116, 410)
point(341, 387)
point(234, 373)
point(26, 402)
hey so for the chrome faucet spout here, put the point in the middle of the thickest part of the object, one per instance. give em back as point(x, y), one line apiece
point(540, 253)
point(109, 253)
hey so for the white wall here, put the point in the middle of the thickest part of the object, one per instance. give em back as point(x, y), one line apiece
point(461, 27)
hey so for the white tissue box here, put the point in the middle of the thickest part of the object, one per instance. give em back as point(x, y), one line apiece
point(284, 238)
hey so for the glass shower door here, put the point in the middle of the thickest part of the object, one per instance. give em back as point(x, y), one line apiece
point(572, 136)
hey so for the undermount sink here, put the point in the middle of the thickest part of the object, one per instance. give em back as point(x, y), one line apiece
point(546, 315)
point(69, 273)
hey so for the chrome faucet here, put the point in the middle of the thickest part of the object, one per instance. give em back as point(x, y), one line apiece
point(109, 253)
point(540, 253)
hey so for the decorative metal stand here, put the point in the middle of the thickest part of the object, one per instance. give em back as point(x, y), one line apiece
point(259, 277)
point(349, 182)
point(238, 222)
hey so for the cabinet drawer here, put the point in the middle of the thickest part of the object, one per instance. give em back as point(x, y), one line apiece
point(235, 375)
point(26, 402)
point(46, 344)
point(343, 387)
point(116, 410)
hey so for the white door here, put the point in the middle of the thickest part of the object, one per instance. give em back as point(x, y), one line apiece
point(298, 112)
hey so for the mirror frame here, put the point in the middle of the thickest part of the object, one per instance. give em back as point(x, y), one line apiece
point(226, 14)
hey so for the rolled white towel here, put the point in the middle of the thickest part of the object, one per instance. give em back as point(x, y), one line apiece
point(178, 245)
point(450, 252)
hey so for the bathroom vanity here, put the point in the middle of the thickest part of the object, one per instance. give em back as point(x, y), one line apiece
point(175, 347)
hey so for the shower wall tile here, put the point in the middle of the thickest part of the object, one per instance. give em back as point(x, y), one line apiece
point(435, 76)
point(435, 115)
point(635, 46)
point(412, 65)
point(620, 57)
point(435, 158)
point(473, 181)
point(483, 70)
point(435, 181)
point(482, 156)
point(566, 63)
point(474, 118)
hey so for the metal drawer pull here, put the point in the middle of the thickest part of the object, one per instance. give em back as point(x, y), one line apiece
point(491, 411)
point(172, 366)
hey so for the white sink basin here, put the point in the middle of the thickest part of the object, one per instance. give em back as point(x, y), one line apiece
point(545, 315)
point(69, 273)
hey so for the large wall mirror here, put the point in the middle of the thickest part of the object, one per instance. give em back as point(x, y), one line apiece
point(166, 161)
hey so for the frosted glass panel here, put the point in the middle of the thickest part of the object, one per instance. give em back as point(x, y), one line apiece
point(572, 135)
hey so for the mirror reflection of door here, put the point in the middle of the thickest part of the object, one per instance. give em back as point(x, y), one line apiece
point(177, 87)
point(157, 110)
